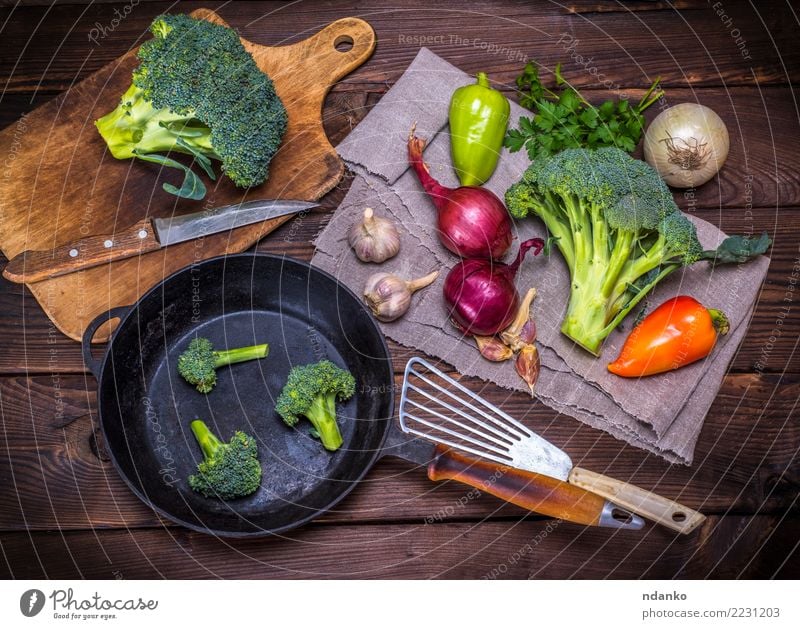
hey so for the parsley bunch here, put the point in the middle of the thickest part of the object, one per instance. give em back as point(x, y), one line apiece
point(567, 120)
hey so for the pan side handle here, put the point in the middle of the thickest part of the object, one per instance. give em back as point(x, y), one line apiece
point(92, 363)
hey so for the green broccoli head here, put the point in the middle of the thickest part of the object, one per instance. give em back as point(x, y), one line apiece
point(198, 91)
point(229, 470)
point(634, 213)
point(521, 197)
point(618, 228)
point(311, 391)
point(681, 239)
point(161, 26)
point(198, 364)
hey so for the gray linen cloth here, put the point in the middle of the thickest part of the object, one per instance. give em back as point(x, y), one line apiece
point(662, 414)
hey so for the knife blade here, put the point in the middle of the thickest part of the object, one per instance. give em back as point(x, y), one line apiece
point(436, 407)
point(150, 234)
point(531, 491)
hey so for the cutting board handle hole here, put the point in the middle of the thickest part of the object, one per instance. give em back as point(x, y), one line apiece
point(679, 516)
point(343, 43)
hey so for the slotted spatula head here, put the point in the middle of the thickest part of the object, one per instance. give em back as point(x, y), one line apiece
point(437, 408)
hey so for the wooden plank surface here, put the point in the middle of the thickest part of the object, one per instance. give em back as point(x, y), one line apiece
point(724, 547)
point(68, 514)
point(691, 47)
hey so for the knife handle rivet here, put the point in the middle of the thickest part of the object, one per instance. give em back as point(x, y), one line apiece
point(142, 233)
point(108, 244)
point(73, 253)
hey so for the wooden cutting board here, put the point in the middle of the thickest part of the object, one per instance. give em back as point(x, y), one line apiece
point(58, 183)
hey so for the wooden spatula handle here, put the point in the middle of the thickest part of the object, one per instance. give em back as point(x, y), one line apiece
point(530, 491)
point(645, 503)
point(35, 266)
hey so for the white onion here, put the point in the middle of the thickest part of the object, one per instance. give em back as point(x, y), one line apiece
point(687, 144)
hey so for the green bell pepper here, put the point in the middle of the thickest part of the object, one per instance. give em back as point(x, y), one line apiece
point(478, 121)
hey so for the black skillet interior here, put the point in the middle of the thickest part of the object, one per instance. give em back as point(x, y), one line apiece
point(239, 300)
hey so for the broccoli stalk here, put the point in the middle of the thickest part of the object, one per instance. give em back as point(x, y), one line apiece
point(135, 127)
point(311, 391)
point(606, 289)
point(240, 355)
point(197, 91)
point(199, 363)
point(620, 233)
point(207, 440)
point(229, 470)
point(322, 415)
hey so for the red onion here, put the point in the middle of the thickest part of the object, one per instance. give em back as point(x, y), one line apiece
point(473, 222)
point(481, 295)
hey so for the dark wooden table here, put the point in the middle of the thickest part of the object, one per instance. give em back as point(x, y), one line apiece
point(65, 513)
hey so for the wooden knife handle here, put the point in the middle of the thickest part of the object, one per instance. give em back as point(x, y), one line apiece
point(35, 266)
point(530, 491)
point(647, 504)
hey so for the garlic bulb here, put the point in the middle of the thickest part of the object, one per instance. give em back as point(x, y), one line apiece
point(389, 296)
point(374, 239)
point(687, 144)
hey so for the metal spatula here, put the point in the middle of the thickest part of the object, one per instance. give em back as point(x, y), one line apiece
point(436, 407)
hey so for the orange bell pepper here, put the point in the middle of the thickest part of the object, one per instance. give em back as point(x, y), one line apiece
point(678, 332)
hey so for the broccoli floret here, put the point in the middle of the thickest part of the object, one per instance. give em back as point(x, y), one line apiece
point(616, 224)
point(311, 391)
point(197, 91)
point(230, 470)
point(199, 363)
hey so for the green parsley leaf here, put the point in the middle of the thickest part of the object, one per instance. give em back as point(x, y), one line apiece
point(565, 119)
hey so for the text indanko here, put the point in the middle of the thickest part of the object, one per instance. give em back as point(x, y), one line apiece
point(661, 596)
point(65, 599)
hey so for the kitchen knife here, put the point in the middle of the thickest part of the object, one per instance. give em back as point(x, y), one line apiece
point(437, 408)
point(145, 236)
point(533, 492)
